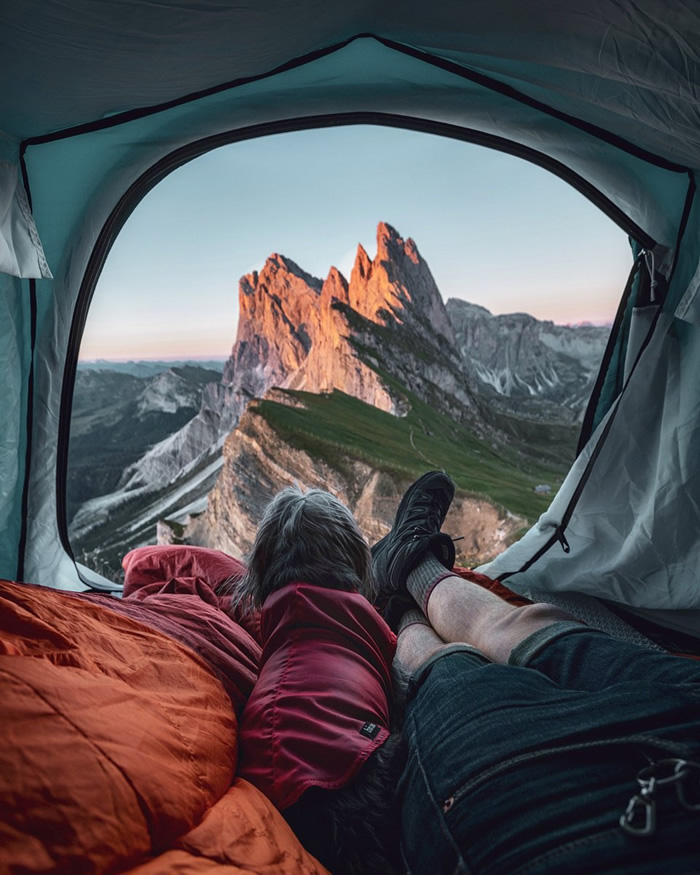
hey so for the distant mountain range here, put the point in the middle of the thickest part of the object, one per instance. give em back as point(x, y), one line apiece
point(524, 359)
point(148, 367)
point(509, 387)
point(118, 416)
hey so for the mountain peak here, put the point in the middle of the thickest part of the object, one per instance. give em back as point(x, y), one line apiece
point(362, 267)
point(335, 287)
point(391, 245)
point(387, 233)
point(457, 305)
point(397, 285)
point(277, 267)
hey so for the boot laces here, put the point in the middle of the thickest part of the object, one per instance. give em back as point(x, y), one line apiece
point(425, 517)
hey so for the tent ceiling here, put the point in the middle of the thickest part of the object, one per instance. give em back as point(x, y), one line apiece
point(630, 67)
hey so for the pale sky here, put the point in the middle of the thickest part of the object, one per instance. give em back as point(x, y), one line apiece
point(494, 229)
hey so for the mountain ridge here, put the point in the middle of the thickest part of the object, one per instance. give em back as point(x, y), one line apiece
point(385, 336)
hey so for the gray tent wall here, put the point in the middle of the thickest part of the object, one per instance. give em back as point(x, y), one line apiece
point(624, 525)
point(111, 97)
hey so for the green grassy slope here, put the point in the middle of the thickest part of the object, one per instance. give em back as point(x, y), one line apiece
point(545, 438)
point(337, 427)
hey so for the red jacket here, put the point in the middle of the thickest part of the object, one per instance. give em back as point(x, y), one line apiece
point(320, 705)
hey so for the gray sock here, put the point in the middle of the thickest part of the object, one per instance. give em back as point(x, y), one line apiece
point(411, 617)
point(424, 578)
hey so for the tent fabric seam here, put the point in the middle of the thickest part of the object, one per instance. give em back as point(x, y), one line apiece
point(685, 217)
point(29, 424)
point(143, 112)
point(591, 409)
point(426, 57)
point(24, 203)
point(508, 91)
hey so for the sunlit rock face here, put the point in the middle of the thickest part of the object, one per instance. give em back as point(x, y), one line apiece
point(385, 337)
point(300, 333)
point(397, 286)
point(278, 320)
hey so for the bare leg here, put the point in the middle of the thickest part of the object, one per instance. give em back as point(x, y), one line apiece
point(462, 611)
point(417, 643)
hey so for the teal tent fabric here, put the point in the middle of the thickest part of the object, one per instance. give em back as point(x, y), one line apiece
point(15, 346)
point(107, 98)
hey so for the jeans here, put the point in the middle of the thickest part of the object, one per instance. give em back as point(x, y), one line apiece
point(526, 768)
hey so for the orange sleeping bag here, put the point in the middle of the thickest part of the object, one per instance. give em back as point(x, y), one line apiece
point(118, 751)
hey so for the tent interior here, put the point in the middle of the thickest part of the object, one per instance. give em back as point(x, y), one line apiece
point(102, 100)
point(107, 99)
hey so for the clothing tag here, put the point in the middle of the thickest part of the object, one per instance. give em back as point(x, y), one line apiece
point(370, 730)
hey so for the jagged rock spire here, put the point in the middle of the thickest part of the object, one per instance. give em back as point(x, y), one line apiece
point(397, 285)
point(296, 331)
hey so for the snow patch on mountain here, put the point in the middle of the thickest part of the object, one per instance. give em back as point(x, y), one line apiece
point(518, 356)
point(167, 392)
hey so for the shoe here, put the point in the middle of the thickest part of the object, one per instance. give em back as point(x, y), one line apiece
point(415, 533)
point(394, 607)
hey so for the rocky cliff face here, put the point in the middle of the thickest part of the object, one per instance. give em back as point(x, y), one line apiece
point(296, 331)
point(164, 461)
point(257, 463)
point(117, 416)
point(291, 335)
point(397, 287)
point(300, 333)
point(168, 392)
point(383, 336)
point(398, 324)
point(520, 357)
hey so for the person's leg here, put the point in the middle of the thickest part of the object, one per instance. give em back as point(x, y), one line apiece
point(462, 611)
point(510, 772)
point(414, 559)
point(419, 644)
point(417, 641)
point(538, 636)
point(417, 556)
point(476, 729)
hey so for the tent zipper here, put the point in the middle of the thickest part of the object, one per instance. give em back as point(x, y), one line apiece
point(558, 534)
point(561, 537)
point(140, 187)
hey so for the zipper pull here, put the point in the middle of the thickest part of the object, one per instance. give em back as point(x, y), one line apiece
point(653, 282)
point(561, 537)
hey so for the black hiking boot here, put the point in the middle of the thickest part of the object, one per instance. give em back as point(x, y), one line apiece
point(415, 533)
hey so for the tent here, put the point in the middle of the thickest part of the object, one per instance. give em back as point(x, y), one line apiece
point(101, 100)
